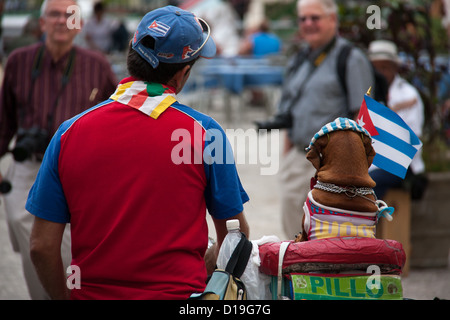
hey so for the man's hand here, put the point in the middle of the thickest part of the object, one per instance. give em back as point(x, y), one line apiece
point(211, 258)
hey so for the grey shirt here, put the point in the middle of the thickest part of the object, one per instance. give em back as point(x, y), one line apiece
point(322, 98)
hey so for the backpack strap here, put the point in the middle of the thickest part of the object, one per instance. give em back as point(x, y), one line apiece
point(342, 65)
point(381, 85)
point(281, 253)
point(239, 259)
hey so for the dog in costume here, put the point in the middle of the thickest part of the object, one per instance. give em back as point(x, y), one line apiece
point(341, 202)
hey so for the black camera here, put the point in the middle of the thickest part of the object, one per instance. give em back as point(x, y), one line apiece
point(30, 141)
point(5, 186)
point(279, 121)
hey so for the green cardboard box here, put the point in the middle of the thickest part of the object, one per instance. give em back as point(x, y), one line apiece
point(348, 287)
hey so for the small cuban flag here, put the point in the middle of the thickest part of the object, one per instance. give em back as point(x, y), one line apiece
point(394, 142)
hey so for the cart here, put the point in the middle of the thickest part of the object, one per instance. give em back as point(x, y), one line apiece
point(334, 268)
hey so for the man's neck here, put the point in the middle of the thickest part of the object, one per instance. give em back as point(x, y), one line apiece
point(57, 51)
point(316, 55)
point(324, 44)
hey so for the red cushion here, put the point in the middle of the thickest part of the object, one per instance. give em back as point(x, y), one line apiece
point(351, 250)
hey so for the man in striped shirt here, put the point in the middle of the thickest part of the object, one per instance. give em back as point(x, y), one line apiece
point(45, 84)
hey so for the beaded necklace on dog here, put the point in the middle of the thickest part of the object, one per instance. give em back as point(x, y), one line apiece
point(352, 191)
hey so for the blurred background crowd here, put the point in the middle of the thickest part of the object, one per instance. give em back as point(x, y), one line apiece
point(419, 28)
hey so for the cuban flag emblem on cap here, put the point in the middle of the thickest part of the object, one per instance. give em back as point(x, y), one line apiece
point(159, 27)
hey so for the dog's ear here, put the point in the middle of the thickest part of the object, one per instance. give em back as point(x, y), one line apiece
point(370, 151)
point(315, 154)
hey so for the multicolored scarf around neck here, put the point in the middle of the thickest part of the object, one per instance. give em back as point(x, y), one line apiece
point(150, 98)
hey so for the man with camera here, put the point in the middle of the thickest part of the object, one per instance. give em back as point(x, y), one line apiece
point(312, 96)
point(44, 84)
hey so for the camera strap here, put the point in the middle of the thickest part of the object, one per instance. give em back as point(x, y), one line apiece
point(316, 61)
point(64, 81)
point(36, 71)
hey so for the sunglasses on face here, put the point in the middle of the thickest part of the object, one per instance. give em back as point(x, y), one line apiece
point(314, 18)
point(54, 15)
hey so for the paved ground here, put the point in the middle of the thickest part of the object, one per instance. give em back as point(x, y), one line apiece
point(262, 213)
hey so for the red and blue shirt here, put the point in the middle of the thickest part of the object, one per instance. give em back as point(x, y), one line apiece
point(134, 176)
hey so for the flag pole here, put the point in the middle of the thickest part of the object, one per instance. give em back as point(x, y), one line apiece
point(368, 91)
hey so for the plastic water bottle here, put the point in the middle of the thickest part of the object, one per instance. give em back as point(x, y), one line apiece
point(229, 243)
point(257, 286)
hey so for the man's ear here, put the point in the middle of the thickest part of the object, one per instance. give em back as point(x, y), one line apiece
point(180, 78)
point(186, 72)
point(42, 24)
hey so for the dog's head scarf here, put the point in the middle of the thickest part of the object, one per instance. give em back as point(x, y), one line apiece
point(338, 124)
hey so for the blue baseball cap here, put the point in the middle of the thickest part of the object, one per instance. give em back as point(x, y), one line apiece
point(179, 36)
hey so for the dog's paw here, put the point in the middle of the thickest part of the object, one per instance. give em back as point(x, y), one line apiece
point(298, 237)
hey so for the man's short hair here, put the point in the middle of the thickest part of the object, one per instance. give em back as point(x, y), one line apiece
point(139, 68)
point(45, 3)
point(329, 6)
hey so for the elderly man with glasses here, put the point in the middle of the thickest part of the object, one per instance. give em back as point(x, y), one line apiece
point(314, 94)
point(44, 84)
